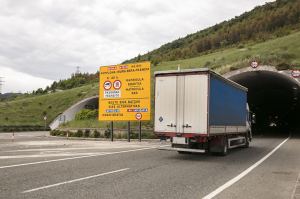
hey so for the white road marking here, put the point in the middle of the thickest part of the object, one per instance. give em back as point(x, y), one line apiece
point(295, 188)
point(243, 174)
point(47, 155)
point(73, 148)
point(73, 158)
point(72, 181)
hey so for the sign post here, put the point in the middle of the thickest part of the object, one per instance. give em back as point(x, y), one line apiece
point(124, 93)
point(45, 119)
point(140, 131)
point(128, 132)
point(112, 131)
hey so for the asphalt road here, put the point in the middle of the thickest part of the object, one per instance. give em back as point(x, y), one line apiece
point(35, 166)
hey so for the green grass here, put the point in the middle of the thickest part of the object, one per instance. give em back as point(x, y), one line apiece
point(96, 124)
point(273, 52)
point(28, 111)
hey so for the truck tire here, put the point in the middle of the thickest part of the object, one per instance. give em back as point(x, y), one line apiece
point(247, 143)
point(224, 148)
point(219, 146)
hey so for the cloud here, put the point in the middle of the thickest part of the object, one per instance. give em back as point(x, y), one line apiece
point(49, 38)
point(15, 81)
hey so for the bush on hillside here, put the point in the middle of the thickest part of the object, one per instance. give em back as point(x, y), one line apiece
point(79, 133)
point(86, 114)
point(87, 133)
point(96, 134)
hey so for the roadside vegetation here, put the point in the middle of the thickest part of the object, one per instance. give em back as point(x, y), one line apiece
point(31, 111)
point(102, 133)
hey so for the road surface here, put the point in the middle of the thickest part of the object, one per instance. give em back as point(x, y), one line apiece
point(35, 166)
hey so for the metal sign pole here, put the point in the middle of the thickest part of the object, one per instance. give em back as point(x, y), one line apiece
point(112, 131)
point(45, 127)
point(140, 131)
point(128, 133)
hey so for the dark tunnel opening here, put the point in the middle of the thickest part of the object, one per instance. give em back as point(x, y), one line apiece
point(274, 99)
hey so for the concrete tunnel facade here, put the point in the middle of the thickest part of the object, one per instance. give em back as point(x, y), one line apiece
point(273, 96)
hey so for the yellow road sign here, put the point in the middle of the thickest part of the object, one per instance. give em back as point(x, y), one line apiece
point(124, 92)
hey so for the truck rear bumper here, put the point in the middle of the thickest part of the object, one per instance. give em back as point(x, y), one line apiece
point(182, 149)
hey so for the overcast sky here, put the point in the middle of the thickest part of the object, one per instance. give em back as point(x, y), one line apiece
point(44, 40)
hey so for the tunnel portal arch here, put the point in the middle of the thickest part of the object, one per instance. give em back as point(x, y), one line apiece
point(69, 114)
point(273, 96)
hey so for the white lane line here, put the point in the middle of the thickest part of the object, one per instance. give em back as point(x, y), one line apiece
point(46, 155)
point(295, 188)
point(243, 174)
point(73, 158)
point(69, 149)
point(75, 180)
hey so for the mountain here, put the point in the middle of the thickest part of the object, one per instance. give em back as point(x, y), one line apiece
point(8, 96)
point(263, 23)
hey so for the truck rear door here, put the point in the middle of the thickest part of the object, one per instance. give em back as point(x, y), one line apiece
point(181, 103)
point(165, 104)
point(195, 104)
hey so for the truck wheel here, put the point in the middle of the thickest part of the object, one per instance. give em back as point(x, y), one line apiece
point(224, 149)
point(218, 146)
point(247, 143)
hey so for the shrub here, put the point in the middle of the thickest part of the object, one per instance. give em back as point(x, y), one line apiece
point(96, 134)
point(54, 132)
point(86, 114)
point(87, 133)
point(79, 133)
point(107, 133)
point(134, 135)
point(63, 133)
point(283, 66)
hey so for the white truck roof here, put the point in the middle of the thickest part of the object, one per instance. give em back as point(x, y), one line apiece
point(199, 70)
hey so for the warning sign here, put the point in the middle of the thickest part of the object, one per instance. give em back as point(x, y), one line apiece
point(124, 92)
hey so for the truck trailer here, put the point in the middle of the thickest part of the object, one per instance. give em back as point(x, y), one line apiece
point(201, 111)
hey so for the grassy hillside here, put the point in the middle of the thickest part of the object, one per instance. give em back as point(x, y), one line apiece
point(283, 51)
point(30, 111)
point(269, 21)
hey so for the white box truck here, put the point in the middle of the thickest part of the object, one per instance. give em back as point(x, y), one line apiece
point(200, 111)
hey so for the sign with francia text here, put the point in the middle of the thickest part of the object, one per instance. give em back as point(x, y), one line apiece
point(124, 92)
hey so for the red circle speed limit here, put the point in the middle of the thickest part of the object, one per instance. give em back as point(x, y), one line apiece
point(295, 73)
point(107, 85)
point(138, 116)
point(254, 64)
point(117, 84)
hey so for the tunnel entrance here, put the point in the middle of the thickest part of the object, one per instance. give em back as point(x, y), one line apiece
point(273, 98)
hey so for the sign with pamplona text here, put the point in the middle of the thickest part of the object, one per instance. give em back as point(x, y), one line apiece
point(124, 92)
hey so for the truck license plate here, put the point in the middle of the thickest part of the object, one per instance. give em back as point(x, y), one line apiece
point(179, 140)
